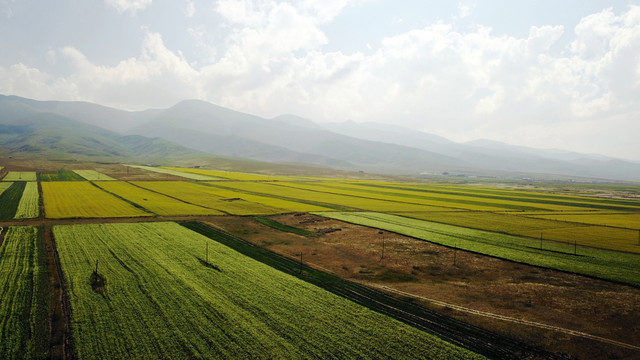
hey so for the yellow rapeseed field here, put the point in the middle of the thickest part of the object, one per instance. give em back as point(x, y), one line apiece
point(80, 199)
point(154, 202)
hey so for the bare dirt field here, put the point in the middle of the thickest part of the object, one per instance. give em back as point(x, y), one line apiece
point(509, 298)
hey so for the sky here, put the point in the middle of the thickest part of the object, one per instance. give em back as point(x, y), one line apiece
point(544, 74)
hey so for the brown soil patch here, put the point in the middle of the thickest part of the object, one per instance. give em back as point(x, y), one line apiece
point(477, 282)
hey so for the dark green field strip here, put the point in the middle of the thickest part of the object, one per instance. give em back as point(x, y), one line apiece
point(10, 199)
point(160, 296)
point(422, 196)
point(24, 324)
point(457, 332)
point(61, 175)
point(282, 227)
point(601, 204)
point(602, 264)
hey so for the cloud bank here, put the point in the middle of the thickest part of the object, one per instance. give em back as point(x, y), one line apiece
point(462, 84)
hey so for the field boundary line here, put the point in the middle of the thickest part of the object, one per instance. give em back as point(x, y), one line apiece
point(507, 318)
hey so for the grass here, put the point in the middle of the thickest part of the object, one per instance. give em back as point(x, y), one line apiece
point(24, 324)
point(160, 300)
point(93, 175)
point(60, 175)
point(80, 199)
point(20, 176)
point(603, 264)
point(10, 200)
point(29, 202)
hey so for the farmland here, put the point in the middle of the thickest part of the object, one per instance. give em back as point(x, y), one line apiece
point(10, 199)
point(80, 199)
point(339, 225)
point(60, 175)
point(171, 305)
point(181, 172)
point(152, 201)
point(205, 196)
point(28, 206)
point(24, 327)
point(20, 176)
point(93, 175)
point(602, 264)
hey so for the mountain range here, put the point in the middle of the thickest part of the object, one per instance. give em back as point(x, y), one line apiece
point(194, 128)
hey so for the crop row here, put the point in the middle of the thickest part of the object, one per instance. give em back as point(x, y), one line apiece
point(29, 202)
point(621, 267)
point(161, 298)
point(583, 234)
point(24, 325)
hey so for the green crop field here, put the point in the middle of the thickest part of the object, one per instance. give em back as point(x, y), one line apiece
point(159, 299)
point(29, 202)
point(93, 175)
point(621, 267)
point(24, 325)
point(157, 203)
point(10, 200)
point(4, 186)
point(60, 175)
point(20, 176)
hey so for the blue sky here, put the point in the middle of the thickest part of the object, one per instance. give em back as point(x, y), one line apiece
point(546, 74)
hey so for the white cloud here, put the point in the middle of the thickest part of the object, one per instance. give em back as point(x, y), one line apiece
point(131, 6)
point(460, 84)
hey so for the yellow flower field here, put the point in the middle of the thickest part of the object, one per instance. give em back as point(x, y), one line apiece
point(80, 199)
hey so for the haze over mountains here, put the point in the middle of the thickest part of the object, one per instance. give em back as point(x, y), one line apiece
point(193, 127)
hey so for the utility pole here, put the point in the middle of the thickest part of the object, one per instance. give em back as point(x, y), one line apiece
point(540, 240)
point(382, 233)
point(207, 255)
point(575, 247)
point(96, 267)
point(300, 262)
point(455, 250)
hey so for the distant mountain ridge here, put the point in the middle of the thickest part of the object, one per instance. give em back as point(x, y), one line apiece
point(370, 147)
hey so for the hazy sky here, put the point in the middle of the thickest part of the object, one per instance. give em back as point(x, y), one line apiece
point(547, 74)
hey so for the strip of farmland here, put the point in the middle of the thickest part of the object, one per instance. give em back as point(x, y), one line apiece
point(80, 199)
point(10, 199)
point(20, 176)
point(180, 173)
point(581, 234)
point(161, 298)
point(24, 324)
point(28, 206)
point(93, 175)
point(155, 202)
point(203, 195)
point(620, 267)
